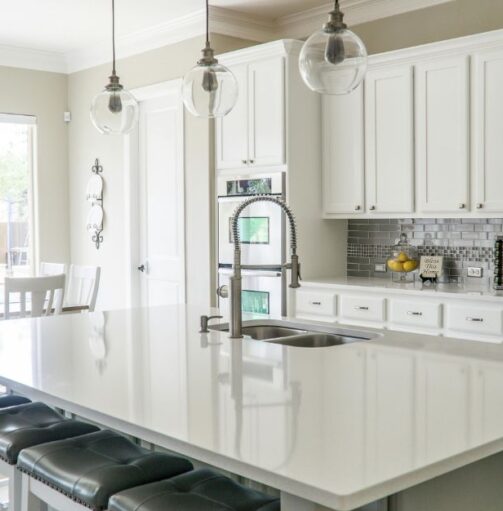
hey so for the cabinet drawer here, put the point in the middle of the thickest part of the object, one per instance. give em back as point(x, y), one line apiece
point(465, 318)
point(415, 313)
point(319, 303)
point(362, 308)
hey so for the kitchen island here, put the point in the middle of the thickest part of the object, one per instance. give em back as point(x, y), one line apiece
point(340, 427)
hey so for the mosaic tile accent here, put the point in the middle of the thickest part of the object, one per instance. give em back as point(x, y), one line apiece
point(462, 242)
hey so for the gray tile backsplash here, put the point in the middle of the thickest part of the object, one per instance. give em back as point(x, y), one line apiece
point(462, 242)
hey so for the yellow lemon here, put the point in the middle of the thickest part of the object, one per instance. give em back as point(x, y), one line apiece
point(402, 257)
point(395, 265)
point(409, 266)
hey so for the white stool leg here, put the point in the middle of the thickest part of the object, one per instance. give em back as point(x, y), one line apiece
point(15, 485)
point(29, 502)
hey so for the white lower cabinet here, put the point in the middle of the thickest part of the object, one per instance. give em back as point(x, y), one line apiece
point(460, 317)
point(415, 314)
point(362, 309)
point(469, 319)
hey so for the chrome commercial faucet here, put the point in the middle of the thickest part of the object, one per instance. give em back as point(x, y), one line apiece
point(235, 280)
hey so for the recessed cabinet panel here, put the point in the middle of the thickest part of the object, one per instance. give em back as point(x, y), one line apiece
point(389, 140)
point(442, 135)
point(232, 130)
point(266, 87)
point(487, 130)
point(343, 153)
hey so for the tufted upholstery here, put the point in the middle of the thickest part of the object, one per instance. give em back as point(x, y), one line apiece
point(34, 423)
point(200, 490)
point(11, 400)
point(91, 468)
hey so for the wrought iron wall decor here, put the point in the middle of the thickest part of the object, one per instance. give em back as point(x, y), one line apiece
point(94, 196)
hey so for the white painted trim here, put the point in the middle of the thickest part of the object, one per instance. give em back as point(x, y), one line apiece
point(304, 23)
point(223, 21)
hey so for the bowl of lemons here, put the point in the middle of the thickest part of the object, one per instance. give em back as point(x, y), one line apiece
point(404, 260)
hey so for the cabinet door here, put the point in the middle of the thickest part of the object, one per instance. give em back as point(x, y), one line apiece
point(266, 89)
point(343, 153)
point(232, 130)
point(487, 130)
point(389, 140)
point(442, 135)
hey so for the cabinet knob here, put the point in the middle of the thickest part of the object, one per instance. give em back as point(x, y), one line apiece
point(244, 162)
point(480, 205)
point(462, 206)
point(372, 208)
point(251, 161)
point(358, 208)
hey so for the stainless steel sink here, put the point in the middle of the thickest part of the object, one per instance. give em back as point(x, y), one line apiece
point(299, 335)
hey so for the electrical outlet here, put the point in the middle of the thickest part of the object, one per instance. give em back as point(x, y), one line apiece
point(380, 268)
point(475, 271)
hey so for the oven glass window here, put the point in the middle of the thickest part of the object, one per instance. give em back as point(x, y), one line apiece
point(249, 186)
point(255, 302)
point(253, 230)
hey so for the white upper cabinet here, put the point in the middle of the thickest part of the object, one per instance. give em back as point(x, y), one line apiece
point(487, 134)
point(389, 140)
point(343, 153)
point(232, 130)
point(253, 134)
point(443, 135)
point(266, 90)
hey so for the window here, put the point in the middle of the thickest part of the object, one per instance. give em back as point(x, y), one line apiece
point(17, 135)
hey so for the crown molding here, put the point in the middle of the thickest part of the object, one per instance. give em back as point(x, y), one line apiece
point(223, 21)
point(304, 23)
point(27, 58)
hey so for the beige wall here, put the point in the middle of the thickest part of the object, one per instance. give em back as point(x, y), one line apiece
point(85, 144)
point(44, 95)
point(446, 21)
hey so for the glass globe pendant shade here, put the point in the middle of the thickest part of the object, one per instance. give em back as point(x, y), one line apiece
point(210, 90)
point(114, 111)
point(334, 59)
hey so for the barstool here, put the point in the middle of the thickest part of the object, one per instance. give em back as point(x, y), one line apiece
point(12, 400)
point(84, 472)
point(200, 490)
point(26, 425)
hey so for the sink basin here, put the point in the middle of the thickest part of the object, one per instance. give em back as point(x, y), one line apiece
point(312, 340)
point(299, 335)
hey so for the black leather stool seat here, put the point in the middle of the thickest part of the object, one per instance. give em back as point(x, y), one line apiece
point(200, 490)
point(11, 400)
point(34, 423)
point(89, 469)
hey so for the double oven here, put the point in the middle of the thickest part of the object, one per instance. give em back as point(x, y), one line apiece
point(262, 228)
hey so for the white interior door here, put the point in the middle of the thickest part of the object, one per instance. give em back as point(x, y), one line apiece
point(161, 200)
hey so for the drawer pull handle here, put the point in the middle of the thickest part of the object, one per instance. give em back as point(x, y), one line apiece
point(315, 303)
point(414, 313)
point(475, 320)
point(360, 308)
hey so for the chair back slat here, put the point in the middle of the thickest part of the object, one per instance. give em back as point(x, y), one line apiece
point(46, 295)
point(83, 285)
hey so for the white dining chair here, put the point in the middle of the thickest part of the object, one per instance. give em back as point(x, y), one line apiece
point(45, 295)
point(83, 285)
point(52, 269)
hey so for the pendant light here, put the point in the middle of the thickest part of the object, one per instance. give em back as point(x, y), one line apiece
point(210, 90)
point(114, 111)
point(334, 59)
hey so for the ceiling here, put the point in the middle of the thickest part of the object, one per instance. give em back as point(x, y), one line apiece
point(67, 35)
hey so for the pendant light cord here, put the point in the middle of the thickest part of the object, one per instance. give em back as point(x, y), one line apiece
point(207, 23)
point(113, 37)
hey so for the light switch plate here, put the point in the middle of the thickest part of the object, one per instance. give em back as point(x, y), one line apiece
point(475, 271)
point(380, 268)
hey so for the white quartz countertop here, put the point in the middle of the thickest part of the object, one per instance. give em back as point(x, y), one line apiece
point(339, 426)
point(471, 290)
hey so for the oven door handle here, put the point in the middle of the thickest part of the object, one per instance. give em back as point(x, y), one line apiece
point(261, 267)
point(251, 273)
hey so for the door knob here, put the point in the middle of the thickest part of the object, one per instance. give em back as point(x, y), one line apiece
point(223, 291)
point(141, 268)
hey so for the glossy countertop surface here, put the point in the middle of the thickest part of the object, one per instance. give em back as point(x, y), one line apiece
point(340, 426)
point(469, 288)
